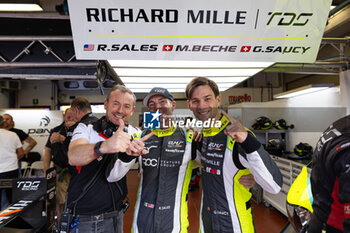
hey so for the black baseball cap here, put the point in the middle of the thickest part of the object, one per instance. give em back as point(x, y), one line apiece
point(158, 91)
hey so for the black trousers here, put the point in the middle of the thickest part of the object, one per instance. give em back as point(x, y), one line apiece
point(8, 175)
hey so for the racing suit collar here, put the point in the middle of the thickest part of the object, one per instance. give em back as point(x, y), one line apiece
point(212, 131)
point(164, 132)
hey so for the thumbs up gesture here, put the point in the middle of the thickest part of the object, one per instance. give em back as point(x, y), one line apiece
point(119, 142)
point(235, 130)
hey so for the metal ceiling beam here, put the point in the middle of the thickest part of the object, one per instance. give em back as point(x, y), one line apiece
point(338, 24)
point(48, 64)
point(319, 68)
point(345, 40)
point(113, 73)
point(36, 38)
point(299, 70)
point(47, 76)
point(34, 15)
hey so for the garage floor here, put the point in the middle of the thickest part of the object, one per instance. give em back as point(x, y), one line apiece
point(267, 220)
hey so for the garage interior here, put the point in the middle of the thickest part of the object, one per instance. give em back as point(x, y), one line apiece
point(38, 69)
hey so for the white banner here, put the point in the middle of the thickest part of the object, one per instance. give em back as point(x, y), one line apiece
point(36, 123)
point(220, 30)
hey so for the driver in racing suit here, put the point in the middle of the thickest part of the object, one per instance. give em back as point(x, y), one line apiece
point(227, 152)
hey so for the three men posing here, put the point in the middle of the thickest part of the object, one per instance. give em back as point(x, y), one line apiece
point(165, 170)
point(226, 154)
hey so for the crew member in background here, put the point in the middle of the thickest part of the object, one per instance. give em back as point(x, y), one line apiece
point(10, 152)
point(94, 149)
point(55, 150)
point(330, 180)
point(227, 153)
point(9, 124)
point(23, 137)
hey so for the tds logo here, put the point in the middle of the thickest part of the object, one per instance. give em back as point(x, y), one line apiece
point(151, 120)
point(28, 185)
point(149, 162)
point(289, 18)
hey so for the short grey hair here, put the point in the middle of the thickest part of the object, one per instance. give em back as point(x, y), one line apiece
point(123, 89)
point(82, 104)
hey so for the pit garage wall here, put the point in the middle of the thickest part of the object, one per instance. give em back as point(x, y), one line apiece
point(316, 109)
point(33, 90)
point(37, 123)
point(94, 96)
point(4, 98)
point(311, 114)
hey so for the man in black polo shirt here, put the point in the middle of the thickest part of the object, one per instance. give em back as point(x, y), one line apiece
point(55, 150)
point(94, 150)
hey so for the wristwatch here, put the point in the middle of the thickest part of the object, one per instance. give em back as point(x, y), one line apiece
point(97, 153)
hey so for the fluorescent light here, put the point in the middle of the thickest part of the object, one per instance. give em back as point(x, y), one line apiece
point(155, 72)
point(146, 90)
point(202, 64)
point(169, 80)
point(171, 90)
point(332, 7)
point(185, 72)
point(176, 85)
point(98, 108)
point(303, 90)
point(20, 7)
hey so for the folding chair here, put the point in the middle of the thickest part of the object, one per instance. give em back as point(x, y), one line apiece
point(24, 168)
point(37, 165)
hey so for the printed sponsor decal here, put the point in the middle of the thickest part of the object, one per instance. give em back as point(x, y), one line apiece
point(13, 210)
point(28, 185)
point(37, 123)
point(148, 205)
point(169, 163)
point(174, 150)
point(347, 211)
point(44, 121)
point(212, 171)
point(172, 144)
point(210, 161)
point(239, 98)
point(214, 31)
point(148, 162)
point(42, 131)
point(289, 18)
point(215, 155)
point(215, 146)
point(148, 148)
